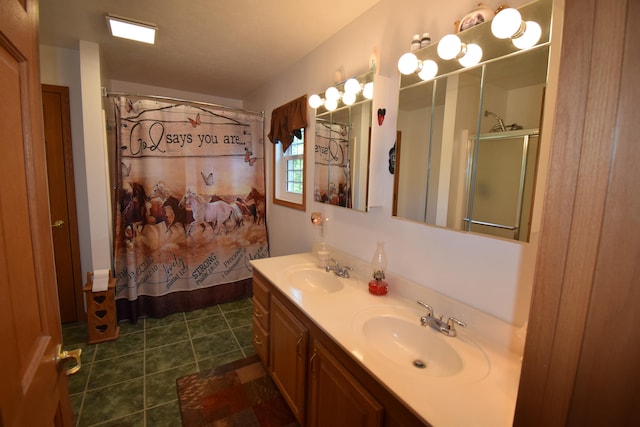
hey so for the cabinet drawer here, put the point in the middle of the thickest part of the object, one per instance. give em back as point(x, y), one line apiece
point(260, 314)
point(261, 290)
point(261, 342)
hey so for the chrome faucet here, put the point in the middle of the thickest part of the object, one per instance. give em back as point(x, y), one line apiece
point(448, 328)
point(339, 271)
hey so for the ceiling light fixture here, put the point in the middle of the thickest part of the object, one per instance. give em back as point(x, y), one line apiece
point(132, 30)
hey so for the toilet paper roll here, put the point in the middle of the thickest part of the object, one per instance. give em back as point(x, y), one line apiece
point(100, 280)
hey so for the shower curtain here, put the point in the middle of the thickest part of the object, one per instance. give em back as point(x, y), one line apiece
point(332, 164)
point(190, 205)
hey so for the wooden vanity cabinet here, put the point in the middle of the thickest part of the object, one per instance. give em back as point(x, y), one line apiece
point(336, 398)
point(288, 340)
point(261, 305)
point(321, 382)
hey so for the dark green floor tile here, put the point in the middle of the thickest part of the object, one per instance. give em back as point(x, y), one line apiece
point(222, 359)
point(133, 420)
point(126, 344)
point(214, 344)
point(204, 312)
point(76, 404)
point(207, 325)
point(112, 402)
point(78, 381)
point(75, 333)
point(249, 351)
point(236, 305)
point(173, 332)
point(127, 327)
point(244, 335)
point(167, 415)
point(161, 387)
point(169, 356)
point(151, 323)
point(117, 369)
point(240, 317)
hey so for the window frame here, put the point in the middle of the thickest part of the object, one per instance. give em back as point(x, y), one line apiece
point(280, 194)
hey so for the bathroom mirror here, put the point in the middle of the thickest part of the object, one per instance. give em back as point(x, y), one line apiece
point(467, 149)
point(341, 154)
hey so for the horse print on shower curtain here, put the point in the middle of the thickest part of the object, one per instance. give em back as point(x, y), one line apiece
point(191, 206)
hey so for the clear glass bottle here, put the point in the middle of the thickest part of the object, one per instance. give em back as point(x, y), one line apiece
point(323, 255)
point(415, 43)
point(425, 40)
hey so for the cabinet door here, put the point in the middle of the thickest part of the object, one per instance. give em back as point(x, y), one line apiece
point(261, 342)
point(336, 398)
point(288, 356)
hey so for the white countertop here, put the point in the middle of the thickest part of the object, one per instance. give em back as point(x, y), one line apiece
point(480, 399)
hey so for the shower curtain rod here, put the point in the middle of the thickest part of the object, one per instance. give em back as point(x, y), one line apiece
point(169, 98)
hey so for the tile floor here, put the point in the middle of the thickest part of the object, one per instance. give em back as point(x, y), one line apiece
point(131, 381)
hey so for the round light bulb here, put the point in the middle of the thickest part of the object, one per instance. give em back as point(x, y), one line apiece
point(408, 63)
point(506, 23)
point(530, 36)
point(472, 57)
point(449, 46)
point(352, 86)
point(331, 104)
point(348, 98)
point(429, 70)
point(315, 101)
point(367, 92)
point(332, 94)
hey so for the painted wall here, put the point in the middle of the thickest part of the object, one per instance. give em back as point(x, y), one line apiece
point(491, 274)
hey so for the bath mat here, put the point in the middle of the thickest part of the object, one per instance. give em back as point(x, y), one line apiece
point(240, 394)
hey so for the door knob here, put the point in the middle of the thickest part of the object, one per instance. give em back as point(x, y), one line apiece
point(62, 356)
point(58, 224)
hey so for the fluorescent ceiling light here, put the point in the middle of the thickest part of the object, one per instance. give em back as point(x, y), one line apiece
point(132, 30)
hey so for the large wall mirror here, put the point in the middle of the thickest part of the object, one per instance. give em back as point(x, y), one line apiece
point(468, 140)
point(342, 145)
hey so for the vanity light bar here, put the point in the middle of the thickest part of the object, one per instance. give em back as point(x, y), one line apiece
point(332, 96)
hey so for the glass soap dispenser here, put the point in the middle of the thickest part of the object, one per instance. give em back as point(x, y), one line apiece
point(378, 286)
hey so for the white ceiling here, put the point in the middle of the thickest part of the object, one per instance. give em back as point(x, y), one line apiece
point(225, 48)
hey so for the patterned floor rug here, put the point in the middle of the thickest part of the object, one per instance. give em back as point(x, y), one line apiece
point(238, 394)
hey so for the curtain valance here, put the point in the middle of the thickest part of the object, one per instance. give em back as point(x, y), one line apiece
point(286, 119)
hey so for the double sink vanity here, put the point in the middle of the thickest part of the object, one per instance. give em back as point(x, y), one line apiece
point(341, 356)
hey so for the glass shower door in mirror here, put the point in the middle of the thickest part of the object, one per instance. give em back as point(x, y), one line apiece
point(503, 158)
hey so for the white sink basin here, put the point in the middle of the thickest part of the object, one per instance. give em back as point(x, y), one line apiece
point(395, 333)
point(313, 279)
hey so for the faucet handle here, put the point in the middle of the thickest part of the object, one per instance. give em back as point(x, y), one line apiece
point(452, 321)
point(427, 306)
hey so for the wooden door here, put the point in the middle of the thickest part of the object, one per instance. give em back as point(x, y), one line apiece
point(62, 201)
point(288, 357)
point(336, 398)
point(33, 389)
